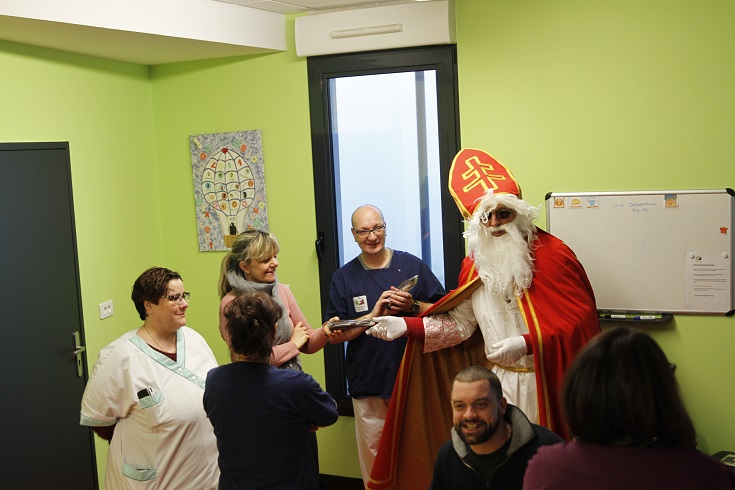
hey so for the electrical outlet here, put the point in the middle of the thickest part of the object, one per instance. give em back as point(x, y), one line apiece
point(106, 309)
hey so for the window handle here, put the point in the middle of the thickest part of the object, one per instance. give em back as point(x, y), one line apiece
point(319, 244)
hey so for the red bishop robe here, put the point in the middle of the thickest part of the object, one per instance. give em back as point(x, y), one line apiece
point(559, 310)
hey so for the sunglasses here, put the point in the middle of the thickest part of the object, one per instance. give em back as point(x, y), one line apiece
point(500, 215)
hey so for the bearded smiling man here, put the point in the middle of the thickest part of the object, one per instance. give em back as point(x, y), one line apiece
point(491, 441)
point(523, 288)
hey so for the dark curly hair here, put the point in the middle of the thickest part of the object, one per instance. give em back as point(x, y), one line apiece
point(251, 320)
point(151, 286)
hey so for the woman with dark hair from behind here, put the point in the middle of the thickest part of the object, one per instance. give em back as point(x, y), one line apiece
point(628, 424)
point(262, 415)
point(251, 266)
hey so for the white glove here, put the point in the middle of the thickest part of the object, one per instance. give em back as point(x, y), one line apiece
point(388, 328)
point(509, 351)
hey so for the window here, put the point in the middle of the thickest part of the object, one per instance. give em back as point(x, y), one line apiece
point(384, 132)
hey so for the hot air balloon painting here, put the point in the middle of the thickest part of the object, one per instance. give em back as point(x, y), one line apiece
point(229, 188)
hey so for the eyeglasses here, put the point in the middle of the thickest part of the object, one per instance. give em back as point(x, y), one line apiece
point(500, 214)
point(378, 230)
point(177, 298)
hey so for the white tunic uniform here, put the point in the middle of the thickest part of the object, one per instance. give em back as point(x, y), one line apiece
point(500, 320)
point(163, 439)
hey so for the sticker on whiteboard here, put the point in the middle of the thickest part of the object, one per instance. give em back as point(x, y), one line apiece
point(576, 202)
point(671, 201)
point(558, 202)
point(592, 202)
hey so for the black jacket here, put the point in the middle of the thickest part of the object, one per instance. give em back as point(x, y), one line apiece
point(453, 469)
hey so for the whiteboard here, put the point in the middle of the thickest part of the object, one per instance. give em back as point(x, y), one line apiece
point(651, 251)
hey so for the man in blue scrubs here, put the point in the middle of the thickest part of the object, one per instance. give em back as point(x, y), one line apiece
point(366, 287)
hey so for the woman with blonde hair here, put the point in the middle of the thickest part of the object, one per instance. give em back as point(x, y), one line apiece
point(251, 266)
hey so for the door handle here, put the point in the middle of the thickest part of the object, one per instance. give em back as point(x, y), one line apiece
point(77, 353)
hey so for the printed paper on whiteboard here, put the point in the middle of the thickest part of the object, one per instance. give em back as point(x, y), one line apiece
point(708, 280)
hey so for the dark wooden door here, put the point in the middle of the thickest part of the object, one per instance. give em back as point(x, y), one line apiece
point(40, 310)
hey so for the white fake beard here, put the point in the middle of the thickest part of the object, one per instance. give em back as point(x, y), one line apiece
point(504, 263)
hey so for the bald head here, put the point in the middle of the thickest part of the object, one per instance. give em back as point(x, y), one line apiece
point(368, 230)
point(366, 212)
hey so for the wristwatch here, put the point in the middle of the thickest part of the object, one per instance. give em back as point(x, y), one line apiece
point(415, 309)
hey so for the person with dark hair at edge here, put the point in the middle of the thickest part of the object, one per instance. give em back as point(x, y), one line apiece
point(628, 424)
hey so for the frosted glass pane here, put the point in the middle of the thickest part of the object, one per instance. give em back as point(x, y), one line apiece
point(385, 137)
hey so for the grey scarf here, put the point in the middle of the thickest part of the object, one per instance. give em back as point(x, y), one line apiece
point(284, 329)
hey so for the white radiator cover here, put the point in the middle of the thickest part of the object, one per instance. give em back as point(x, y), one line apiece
point(369, 29)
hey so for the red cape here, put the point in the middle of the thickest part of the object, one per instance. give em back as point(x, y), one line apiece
point(559, 310)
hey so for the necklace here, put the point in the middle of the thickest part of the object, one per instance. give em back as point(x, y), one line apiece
point(510, 430)
point(153, 338)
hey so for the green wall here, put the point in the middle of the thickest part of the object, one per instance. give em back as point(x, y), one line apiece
point(103, 109)
point(581, 95)
point(269, 93)
point(571, 95)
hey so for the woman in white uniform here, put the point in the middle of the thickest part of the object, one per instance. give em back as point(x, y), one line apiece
point(145, 395)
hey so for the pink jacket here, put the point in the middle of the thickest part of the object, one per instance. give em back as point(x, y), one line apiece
point(288, 350)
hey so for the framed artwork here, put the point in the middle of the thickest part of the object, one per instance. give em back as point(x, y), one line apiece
point(229, 186)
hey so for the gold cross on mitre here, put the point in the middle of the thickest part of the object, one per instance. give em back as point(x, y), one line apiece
point(479, 173)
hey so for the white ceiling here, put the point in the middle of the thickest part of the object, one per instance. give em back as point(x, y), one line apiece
point(297, 6)
point(120, 45)
point(148, 47)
